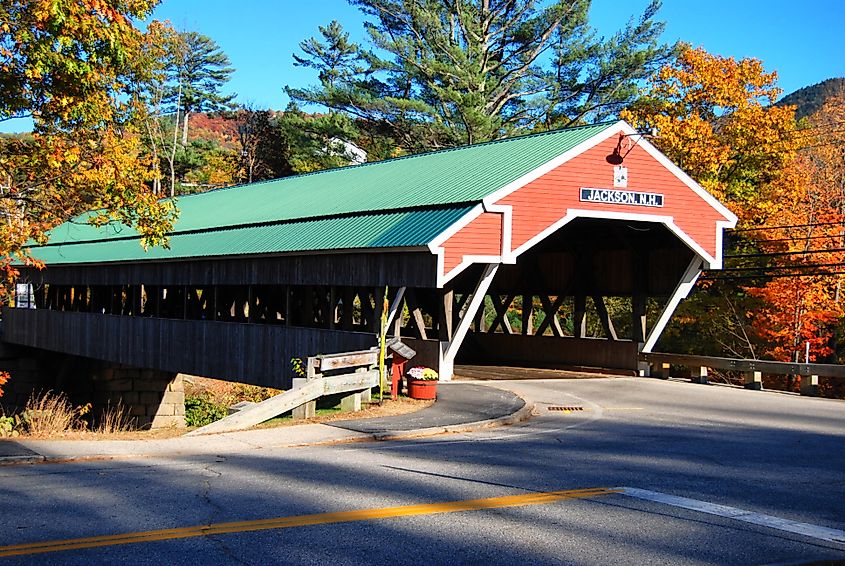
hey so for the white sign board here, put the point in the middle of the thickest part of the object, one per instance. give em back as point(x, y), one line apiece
point(614, 196)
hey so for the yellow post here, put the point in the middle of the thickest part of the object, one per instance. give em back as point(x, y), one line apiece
point(382, 373)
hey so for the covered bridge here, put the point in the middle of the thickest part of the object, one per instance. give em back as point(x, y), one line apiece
point(492, 253)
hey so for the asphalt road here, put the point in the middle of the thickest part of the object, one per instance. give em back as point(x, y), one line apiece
point(777, 461)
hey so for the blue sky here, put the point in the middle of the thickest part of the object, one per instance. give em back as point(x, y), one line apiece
point(801, 41)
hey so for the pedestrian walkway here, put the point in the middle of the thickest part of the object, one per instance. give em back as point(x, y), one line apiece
point(459, 407)
point(12, 451)
point(457, 404)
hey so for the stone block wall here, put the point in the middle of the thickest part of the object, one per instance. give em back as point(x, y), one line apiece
point(155, 399)
point(29, 374)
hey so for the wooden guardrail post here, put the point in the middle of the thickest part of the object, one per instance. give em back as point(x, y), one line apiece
point(810, 385)
point(352, 402)
point(306, 410)
point(698, 374)
point(660, 370)
point(754, 380)
point(309, 409)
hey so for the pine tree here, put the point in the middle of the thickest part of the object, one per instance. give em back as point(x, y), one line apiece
point(198, 71)
point(444, 73)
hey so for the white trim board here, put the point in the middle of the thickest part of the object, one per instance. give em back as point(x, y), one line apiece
point(680, 293)
point(504, 256)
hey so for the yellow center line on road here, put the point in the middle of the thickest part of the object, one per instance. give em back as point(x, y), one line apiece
point(302, 520)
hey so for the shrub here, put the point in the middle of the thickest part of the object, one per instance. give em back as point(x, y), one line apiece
point(200, 411)
point(254, 393)
point(51, 413)
point(8, 426)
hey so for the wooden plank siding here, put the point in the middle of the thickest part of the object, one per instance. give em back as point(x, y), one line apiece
point(406, 268)
point(248, 353)
point(482, 236)
point(544, 201)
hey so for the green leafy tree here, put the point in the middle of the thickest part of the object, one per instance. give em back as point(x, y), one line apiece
point(316, 142)
point(187, 72)
point(439, 74)
point(72, 67)
point(262, 144)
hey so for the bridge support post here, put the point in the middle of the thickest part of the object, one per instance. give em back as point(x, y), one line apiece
point(810, 385)
point(754, 380)
point(681, 291)
point(448, 350)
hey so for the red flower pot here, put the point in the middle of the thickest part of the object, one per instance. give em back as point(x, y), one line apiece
point(422, 388)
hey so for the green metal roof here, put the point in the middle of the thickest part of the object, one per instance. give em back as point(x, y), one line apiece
point(351, 207)
point(373, 230)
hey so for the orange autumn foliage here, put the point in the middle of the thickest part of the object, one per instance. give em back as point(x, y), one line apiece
point(715, 118)
point(811, 201)
point(74, 68)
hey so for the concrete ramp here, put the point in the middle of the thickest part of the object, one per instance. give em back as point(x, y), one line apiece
point(289, 400)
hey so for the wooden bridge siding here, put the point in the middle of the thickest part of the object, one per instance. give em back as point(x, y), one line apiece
point(409, 268)
point(481, 237)
point(249, 353)
point(547, 351)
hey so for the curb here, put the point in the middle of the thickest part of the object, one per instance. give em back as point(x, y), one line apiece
point(22, 459)
point(522, 414)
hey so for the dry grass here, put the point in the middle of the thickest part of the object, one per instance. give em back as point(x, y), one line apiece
point(49, 414)
point(226, 393)
point(115, 419)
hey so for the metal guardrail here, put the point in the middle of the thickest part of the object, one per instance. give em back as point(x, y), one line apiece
point(660, 364)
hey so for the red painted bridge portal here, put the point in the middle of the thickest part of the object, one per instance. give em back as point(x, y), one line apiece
point(523, 251)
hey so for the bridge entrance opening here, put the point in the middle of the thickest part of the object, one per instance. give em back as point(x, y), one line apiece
point(589, 295)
